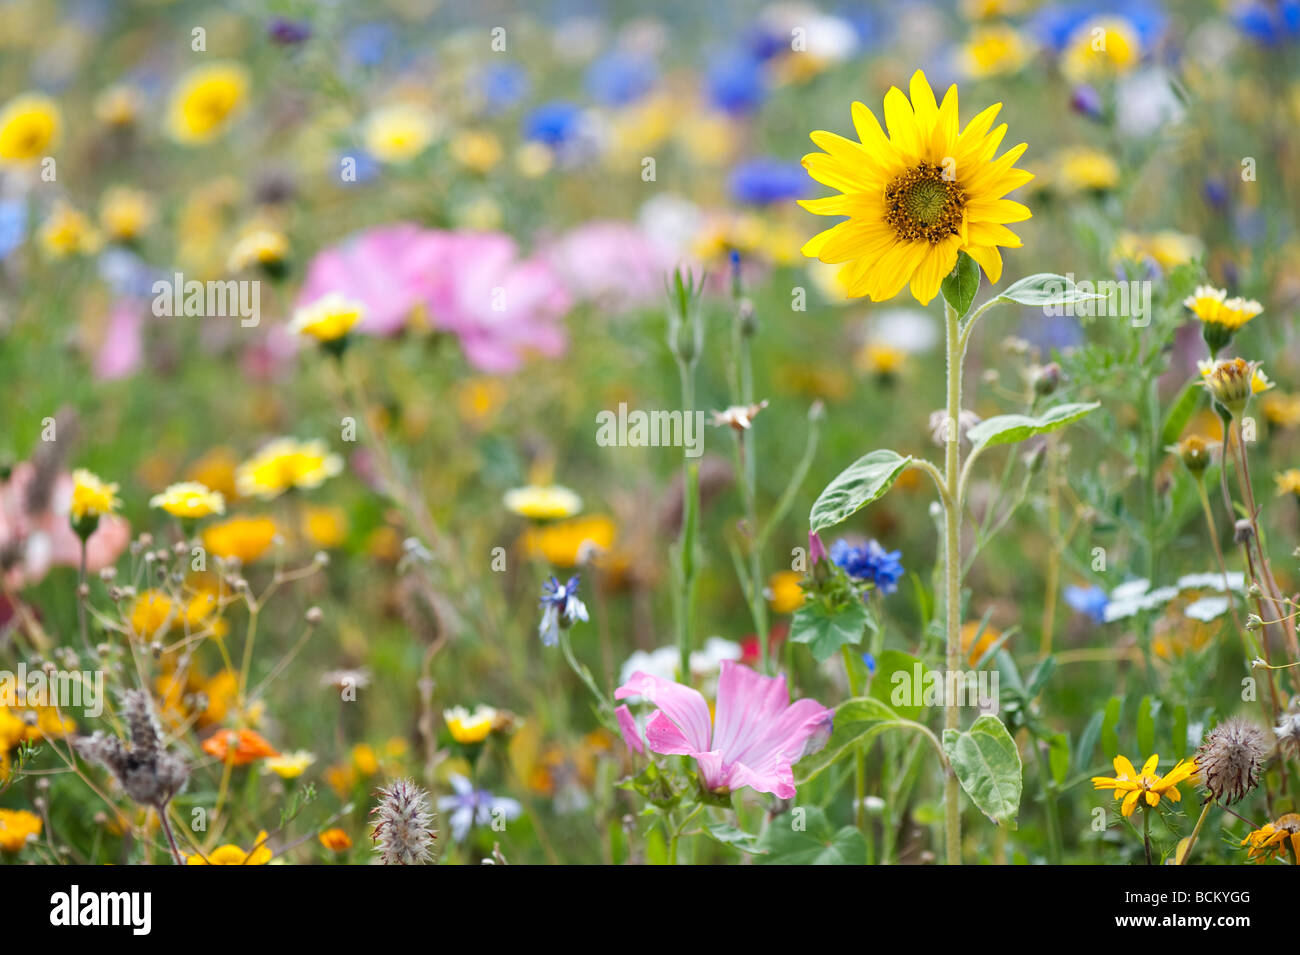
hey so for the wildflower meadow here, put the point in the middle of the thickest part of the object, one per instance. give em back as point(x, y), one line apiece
point(445, 433)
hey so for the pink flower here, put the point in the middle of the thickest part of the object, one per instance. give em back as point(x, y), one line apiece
point(501, 307)
point(122, 352)
point(613, 264)
point(756, 737)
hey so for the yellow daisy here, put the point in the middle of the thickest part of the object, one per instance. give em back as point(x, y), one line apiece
point(289, 765)
point(1274, 838)
point(125, 213)
point(286, 463)
point(994, 50)
point(916, 197)
point(1132, 786)
point(1288, 482)
point(190, 500)
point(17, 827)
point(784, 592)
point(91, 497)
point(543, 502)
point(67, 231)
point(205, 101)
point(30, 125)
point(1220, 316)
point(400, 132)
point(328, 318)
point(244, 538)
point(467, 727)
point(1080, 169)
point(1103, 46)
point(233, 855)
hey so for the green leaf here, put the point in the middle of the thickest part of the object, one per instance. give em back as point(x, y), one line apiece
point(856, 722)
point(1185, 405)
point(1109, 735)
point(884, 684)
point(1010, 428)
point(1058, 756)
point(1087, 743)
point(858, 485)
point(730, 835)
point(961, 284)
point(1146, 727)
point(1180, 731)
point(825, 631)
point(1045, 288)
point(988, 767)
point(805, 837)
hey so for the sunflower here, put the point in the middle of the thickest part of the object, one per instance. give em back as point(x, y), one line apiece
point(1132, 786)
point(916, 198)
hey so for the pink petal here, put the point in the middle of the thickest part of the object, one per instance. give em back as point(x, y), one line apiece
point(683, 705)
point(631, 733)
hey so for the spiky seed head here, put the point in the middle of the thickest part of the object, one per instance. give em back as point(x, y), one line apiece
point(404, 830)
point(1231, 759)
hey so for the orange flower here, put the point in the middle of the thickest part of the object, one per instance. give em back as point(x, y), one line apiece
point(240, 747)
point(336, 840)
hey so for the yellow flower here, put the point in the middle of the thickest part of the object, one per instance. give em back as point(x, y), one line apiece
point(1132, 786)
point(286, 463)
point(151, 613)
point(124, 213)
point(534, 160)
point(1168, 249)
point(1233, 381)
point(119, 106)
point(1080, 169)
point(335, 840)
point(1281, 410)
point(877, 358)
point(30, 126)
point(1220, 316)
point(243, 538)
point(785, 595)
point(994, 50)
point(233, 855)
point(400, 132)
point(289, 765)
point(975, 649)
point(543, 502)
point(478, 399)
point(572, 542)
point(267, 248)
point(17, 826)
point(916, 198)
point(325, 527)
point(1274, 838)
point(216, 469)
point(328, 318)
point(68, 232)
point(364, 759)
point(205, 101)
point(91, 497)
point(1288, 482)
point(190, 500)
point(467, 727)
point(479, 151)
point(1103, 46)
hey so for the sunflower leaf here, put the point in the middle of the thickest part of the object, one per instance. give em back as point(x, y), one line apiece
point(855, 487)
point(961, 284)
point(1044, 289)
point(1010, 428)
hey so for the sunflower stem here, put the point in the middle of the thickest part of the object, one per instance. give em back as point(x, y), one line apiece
point(952, 566)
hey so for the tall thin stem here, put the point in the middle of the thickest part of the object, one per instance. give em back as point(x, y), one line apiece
point(952, 568)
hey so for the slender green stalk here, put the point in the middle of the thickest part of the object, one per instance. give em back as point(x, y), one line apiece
point(1191, 840)
point(954, 342)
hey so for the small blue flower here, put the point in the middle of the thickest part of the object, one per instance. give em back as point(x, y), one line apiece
point(286, 32)
point(468, 807)
point(370, 44)
point(1269, 24)
point(869, 562)
point(13, 226)
point(619, 78)
point(1088, 600)
point(503, 86)
point(561, 608)
point(870, 662)
point(553, 124)
point(766, 180)
point(735, 83)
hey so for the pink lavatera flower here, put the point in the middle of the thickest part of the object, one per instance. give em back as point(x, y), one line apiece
point(754, 739)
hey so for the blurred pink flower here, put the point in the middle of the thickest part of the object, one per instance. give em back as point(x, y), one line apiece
point(39, 541)
point(613, 264)
point(123, 349)
point(754, 739)
point(472, 285)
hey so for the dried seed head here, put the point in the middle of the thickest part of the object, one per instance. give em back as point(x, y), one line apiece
point(146, 770)
point(1231, 758)
point(1287, 732)
point(1243, 532)
point(404, 832)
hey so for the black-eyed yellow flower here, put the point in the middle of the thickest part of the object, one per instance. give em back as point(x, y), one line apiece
point(467, 727)
point(1274, 838)
point(549, 502)
point(917, 197)
point(398, 133)
point(189, 500)
point(328, 319)
point(285, 464)
point(1132, 786)
point(230, 854)
point(205, 101)
point(91, 497)
point(243, 538)
point(30, 126)
point(880, 359)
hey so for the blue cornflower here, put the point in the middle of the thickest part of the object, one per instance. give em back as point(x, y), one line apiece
point(1269, 24)
point(1088, 600)
point(468, 807)
point(13, 225)
point(870, 663)
point(370, 44)
point(869, 562)
point(503, 86)
point(553, 124)
point(619, 78)
point(766, 180)
point(561, 608)
point(735, 82)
